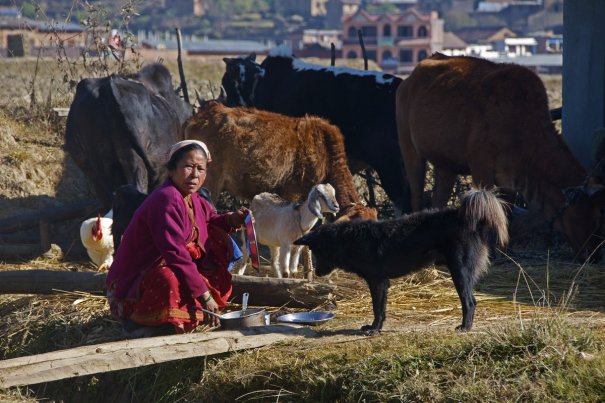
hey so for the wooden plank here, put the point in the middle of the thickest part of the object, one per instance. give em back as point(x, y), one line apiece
point(54, 214)
point(264, 291)
point(88, 360)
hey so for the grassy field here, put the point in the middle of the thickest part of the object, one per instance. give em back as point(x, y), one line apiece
point(539, 329)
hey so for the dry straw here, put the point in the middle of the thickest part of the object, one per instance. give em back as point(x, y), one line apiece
point(517, 287)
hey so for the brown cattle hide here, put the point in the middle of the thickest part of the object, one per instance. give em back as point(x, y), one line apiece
point(468, 115)
point(255, 151)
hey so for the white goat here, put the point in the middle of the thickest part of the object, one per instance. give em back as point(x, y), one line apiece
point(278, 223)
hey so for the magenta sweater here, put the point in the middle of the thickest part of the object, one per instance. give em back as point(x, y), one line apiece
point(158, 230)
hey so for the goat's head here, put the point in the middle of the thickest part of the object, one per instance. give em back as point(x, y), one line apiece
point(322, 199)
point(240, 79)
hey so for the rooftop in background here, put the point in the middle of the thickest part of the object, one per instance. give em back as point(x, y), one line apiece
point(359, 2)
point(452, 41)
point(210, 46)
point(9, 12)
point(484, 34)
point(12, 19)
point(497, 6)
point(554, 60)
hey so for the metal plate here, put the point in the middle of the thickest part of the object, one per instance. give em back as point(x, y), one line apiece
point(306, 318)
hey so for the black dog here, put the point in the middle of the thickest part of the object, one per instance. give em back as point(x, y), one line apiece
point(379, 250)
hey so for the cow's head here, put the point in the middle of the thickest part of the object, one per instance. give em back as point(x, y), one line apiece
point(584, 220)
point(240, 80)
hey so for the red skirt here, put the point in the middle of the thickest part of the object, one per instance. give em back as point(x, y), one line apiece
point(164, 300)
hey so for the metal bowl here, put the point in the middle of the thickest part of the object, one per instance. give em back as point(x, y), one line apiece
point(306, 318)
point(245, 318)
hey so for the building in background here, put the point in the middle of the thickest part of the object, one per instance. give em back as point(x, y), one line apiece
point(522, 16)
point(397, 42)
point(316, 43)
point(21, 36)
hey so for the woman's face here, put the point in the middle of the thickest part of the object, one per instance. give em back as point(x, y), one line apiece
point(190, 172)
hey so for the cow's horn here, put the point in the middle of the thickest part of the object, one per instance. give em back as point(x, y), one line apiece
point(222, 96)
point(200, 100)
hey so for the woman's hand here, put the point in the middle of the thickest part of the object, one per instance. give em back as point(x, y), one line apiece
point(238, 218)
point(210, 305)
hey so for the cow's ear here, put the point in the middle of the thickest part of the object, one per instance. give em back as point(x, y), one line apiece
point(252, 56)
point(228, 60)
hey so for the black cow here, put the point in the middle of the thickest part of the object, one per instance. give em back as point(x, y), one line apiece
point(119, 129)
point(361, 103)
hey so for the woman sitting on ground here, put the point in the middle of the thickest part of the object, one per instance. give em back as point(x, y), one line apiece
point(175, 253)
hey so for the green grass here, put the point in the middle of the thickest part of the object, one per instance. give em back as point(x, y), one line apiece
point(546, 359)
point(542, 361)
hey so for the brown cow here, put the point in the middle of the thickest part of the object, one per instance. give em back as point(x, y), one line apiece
point(471, 116)
point(255, 151)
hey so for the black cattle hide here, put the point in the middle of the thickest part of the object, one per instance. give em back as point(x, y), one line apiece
point(119, 129)
point(360, 103)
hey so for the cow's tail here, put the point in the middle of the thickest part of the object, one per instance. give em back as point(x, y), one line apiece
point(483, 218)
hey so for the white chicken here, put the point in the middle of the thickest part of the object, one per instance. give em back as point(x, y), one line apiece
point(96, 237)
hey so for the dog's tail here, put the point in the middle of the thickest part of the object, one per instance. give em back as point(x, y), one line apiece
point(483, 213)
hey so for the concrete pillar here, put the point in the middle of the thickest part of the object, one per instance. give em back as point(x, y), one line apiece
point(583, 76)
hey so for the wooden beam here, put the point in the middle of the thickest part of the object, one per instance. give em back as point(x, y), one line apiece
point(39, 281)
point(271, 291)
point(134, 353)
point(19, 250)
point(54, 214)
point(264, 291)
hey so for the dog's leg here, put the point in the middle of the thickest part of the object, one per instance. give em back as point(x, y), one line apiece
point(464, 286)
point(379, 289)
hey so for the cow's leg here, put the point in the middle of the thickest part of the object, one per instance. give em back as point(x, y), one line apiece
point(415, 165)
point(483, 169)
point(391, 172)
point(275, 260)
point(416, 170)
point(444, 184)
